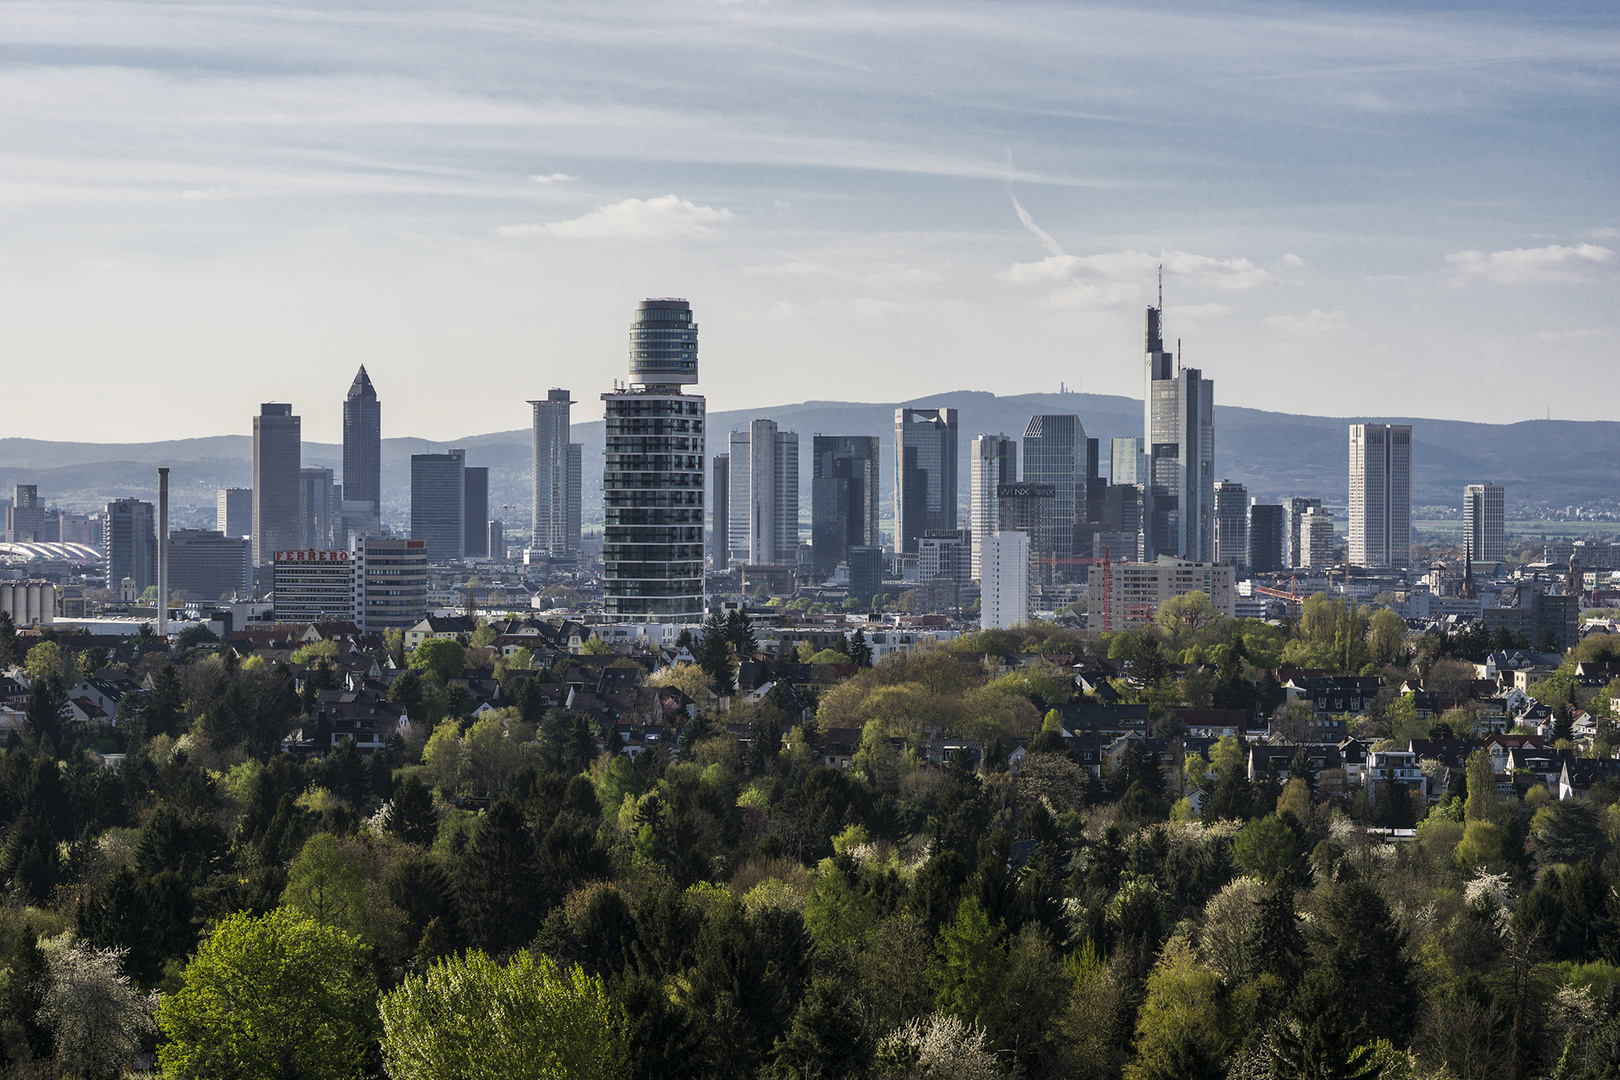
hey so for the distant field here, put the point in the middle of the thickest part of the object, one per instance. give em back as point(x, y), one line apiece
point(1581, 529)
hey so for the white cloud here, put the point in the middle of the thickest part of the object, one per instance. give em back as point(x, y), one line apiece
point(1118, 277)
point(1292, 261)
point(1604, 232)
point(1312, 323)
point(668, 217)
point(1528, 265)
point(868, 308)
point(554, 178)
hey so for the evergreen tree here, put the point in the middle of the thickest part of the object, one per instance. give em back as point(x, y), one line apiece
point(499, 886)
point(860, 650)
point(714, 654)
point(411, 815)
point(1275, 944)
point(740, 631)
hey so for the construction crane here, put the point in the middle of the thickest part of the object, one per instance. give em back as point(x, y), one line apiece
point(1107, 578)
point(1292, 596)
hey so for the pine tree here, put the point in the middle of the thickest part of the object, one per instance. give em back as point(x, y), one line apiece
point(499, 886)
point(411, 816)
point(860, 651)
point(714, 654)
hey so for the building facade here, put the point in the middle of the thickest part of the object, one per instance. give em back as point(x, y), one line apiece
point(320, 509)
point(313, 586)
point(1297, 507)
point(277, 457)
point(866, 574)
point(130, 540)
point(555, 519)
point(1380, 495)
point(1127, 460)
point(207, 565)
point(1268, 531)
point(362, 443)
point(233, 512)
point(27, 522)
point(1485, 521)
point(1055, 455)
point(438, 503)
point(720, 517)
point(764, 495)
point(1232, 525)
point(475, 512)
point(653, 479)
point(1136, 589)
point(1316, 538)
point(994, 462)
point(843, 497)
point(924, 474)
point(1178, 506)
point(1004, 584)
point(390, 583)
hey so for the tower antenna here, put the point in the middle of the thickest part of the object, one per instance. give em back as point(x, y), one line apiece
point(1161, 288)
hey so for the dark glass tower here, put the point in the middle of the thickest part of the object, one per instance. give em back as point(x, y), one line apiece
point(843, 497)
point(924, 474)
point(652, 483)
point(277, 450)
point(362, 443)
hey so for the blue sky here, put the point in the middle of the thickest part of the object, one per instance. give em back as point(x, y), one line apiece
point(1360, 209)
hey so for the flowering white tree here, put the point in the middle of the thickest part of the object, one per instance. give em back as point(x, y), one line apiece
point(94, 1012)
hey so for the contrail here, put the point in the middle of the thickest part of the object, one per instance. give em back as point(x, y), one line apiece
point(1051, 245)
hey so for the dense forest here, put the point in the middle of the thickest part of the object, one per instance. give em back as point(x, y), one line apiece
point(512, 896)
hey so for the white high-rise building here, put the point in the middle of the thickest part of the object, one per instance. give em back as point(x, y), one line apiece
point(1294, 540)
point(1004, 580)
point(1380, 494)
point(1316, 538)
point(554, 523)
point(1485, 521)
point(994, 463)
point(1178, 504)
point(764, 497)
point(1134, 590)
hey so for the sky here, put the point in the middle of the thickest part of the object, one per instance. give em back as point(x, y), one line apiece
point(1360, 208)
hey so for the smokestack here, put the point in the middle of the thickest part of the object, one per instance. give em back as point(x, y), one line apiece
point(163, 553)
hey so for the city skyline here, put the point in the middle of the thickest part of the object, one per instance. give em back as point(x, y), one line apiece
point(981, 197)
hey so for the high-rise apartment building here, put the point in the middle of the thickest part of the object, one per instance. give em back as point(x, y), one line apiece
point(390, 583)
point(438, 503)
point(652, 483)
point(1136, 589)
point(720, 518)
point(233, 512)
point(206, 565)
point(1055, 450)
point(362, 443)
point(1178, 508)
point(1268, 532)
point(555, 521)
point(131, 544)
point(924, 474)
point(475, 512)
point(764, 496)
point(1380, 494)
point(1485, 521)
point(1232, 524)
point(277, 456)
point(1004, 586)
point(320, 509)
point(994, 462)
point(945, 555)
point(1297, 508)
point(843, 497)
point(1316, 538)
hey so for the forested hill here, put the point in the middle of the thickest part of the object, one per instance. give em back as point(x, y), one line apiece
point(1544, 463)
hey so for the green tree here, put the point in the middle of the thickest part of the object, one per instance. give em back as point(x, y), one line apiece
point(1179, 1028)
point(500, 885)
point(714, 654)
point(1483, 804)
point(325, 885)
point(441, 658)
point(45, 661)
point(860, 650)
point(1386, 637)
point(1267, 847)
point(468, 1016)
point(411, 815)
point(972, 965)
point(270, 997)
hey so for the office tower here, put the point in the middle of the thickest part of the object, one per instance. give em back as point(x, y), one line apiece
point(81, 529)
point(1268, 532)
point(26, 519)
point(924, 474)
point(438, 501)
point(1316, 537)
point(1127, 461)
point(720, 523)
point(1297, 508)
point(945, 554)
point(1004, 586)
point(233, 512)
point(206, 565)
point(1178, 508)
point(843, 497)
point(390, 583)
point(1055, 453)
point(1134, 590)
point(576, 499)
point(475, 513)
point(555, 487)
point(1380, 494)
point(131, 544)
point(277, 520)
point(1485, 521)
point(866, 575)
point(362, 443)
point(652, 483)
point(316, 495)
point(495, 540)
point(764, 496)
point(1027, 508)
point(314, 586)
point(1232, 524)
point(994, 462)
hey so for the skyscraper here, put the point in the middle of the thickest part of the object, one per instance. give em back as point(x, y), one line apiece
point(1178, 511)
point(1127, 460)
point(438, 503)
point(27, 522)
point(1380, 494)
point(924, 474)
point(1231, 524)
point(317, 493)
point(764, 496)
point(652, 483)
point(362, 444)
point(1004, 588)
point(994, 462)
point(1316, 538)
point(206, 565)
point(1267, 531)
point(131, 544)
point(1297, 508)
point(1055, 454)
point(556, 488)
point(233, 512)
point(1485, 521)
point(843, 497)
point(720, 518)
point(277, 520)
point(475, 512)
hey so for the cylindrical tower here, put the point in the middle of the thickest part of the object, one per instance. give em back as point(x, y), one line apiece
point(663, 344)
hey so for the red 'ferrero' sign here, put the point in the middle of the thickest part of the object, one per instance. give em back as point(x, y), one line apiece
point(312, 556)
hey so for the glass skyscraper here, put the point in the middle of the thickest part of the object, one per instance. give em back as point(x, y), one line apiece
point(843, 497)
point(924, 473)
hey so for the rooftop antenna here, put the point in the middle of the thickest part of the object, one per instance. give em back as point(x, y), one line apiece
point(1161, 288)
point(1178, 354)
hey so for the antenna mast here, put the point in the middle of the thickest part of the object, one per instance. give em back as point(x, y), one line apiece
point(1161, 288)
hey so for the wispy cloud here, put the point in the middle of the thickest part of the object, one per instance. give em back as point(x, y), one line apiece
point(1520, 266)
point(668, 217)
point(554, 178)
point(1313, 323)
